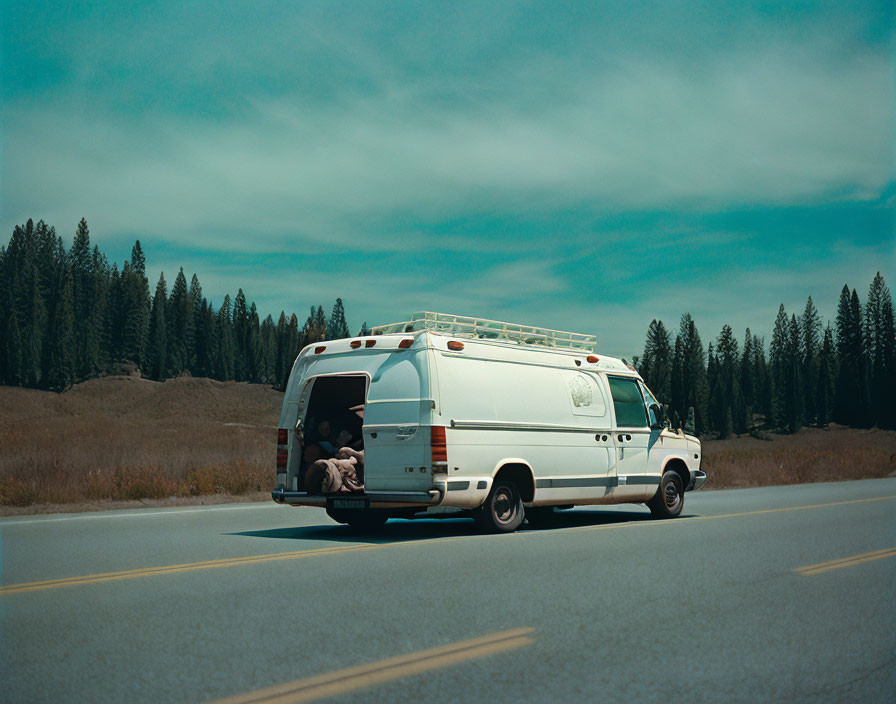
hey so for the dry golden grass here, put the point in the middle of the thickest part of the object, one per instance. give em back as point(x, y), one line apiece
point(126, 438)
point(121, 438)
point(812, 455)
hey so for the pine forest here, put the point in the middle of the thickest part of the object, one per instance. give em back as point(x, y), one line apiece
point(66, 315)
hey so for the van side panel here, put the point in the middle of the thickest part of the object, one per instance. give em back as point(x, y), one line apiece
point(549, 417)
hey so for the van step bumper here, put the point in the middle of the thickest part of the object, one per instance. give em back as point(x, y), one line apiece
point(698, 479)
point(374, 499)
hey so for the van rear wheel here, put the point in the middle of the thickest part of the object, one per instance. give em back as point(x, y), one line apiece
point(503, 510)
point(668, 500)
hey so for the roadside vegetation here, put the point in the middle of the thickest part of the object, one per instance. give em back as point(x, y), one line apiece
point(126, 439)
point(70, 322)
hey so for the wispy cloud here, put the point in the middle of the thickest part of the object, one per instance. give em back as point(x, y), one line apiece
point(587, 170)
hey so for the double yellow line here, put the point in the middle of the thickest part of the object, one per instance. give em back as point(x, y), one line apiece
point(174, 569)
point(299, 554)
point(339, 682)
point(846, 561)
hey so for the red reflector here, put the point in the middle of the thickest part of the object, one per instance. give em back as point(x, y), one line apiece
point(318, 350)
point(282, 436)
point(281, 460)
point(455, 345)
point(592, 359)
point(407, 342)
point(439, 444)
point(355, 344)
point(369, 343)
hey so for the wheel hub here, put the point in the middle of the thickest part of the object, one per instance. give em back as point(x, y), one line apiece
point(671, 495)
point(504, 506)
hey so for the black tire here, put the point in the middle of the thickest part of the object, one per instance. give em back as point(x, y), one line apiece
point(668, 500)
point(503, 510)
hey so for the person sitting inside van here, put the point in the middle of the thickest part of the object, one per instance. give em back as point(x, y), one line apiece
point(326, 444)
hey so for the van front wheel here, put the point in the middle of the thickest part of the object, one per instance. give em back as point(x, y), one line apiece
point(669, 498)
point(503, 510)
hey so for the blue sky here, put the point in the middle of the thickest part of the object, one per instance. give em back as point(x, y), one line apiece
point(584, 166)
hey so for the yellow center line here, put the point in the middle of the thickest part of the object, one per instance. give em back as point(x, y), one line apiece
point(351, 679)
point(683, 521)
point(299, 554)
point(846, 561)
point(172, 569)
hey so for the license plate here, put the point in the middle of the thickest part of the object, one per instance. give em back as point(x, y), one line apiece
point(349, 503)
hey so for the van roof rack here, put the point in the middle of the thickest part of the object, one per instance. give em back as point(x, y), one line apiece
point(484, 329)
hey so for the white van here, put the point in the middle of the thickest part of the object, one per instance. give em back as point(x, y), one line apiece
point(504, 421)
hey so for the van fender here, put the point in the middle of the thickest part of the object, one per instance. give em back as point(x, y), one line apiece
point(522, 472)
point(678, 463)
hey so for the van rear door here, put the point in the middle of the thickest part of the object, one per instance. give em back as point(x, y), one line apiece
point(397, 419)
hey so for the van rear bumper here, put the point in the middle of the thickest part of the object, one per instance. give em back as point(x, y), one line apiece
point(375, 499)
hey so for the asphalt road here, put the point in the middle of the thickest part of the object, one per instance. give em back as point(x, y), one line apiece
point(203, 603)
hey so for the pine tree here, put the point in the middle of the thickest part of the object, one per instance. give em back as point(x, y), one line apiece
point(365, 331)
point(728, 358)
point(253, 347)
point(26, 300)
point(879, 343)
point(850, 389)
point(810, 325)
point(337, 328)
point(224, 354)
point(779, 369)
point(157, 347)
point(204, 355)
point(86, 309)
point(656, 364)
point(241, 337)
point(794, 391)
point(748, 379)
point(691, 369)
point(195, 296)
point(824, 387)
point(12, 372)
point(135, 307)
point(282, 350)
point(717, 405)
point(888, 419)
point(61, 348)
point(316, 326)
point(114, 315)
point(268, 351)
point(179, 327)
point(762, 388)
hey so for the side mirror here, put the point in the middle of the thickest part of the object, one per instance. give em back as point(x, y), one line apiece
point(656, 417)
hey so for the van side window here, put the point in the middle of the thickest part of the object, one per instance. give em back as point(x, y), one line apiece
point(628, 403)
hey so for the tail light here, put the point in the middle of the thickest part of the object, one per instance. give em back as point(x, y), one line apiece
point(439, 444)
point(369, 343)
point(455, 346)
point(355, 344)
point(406, 343)
point(282, 449)
point(592, 359)
point(321, 348)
